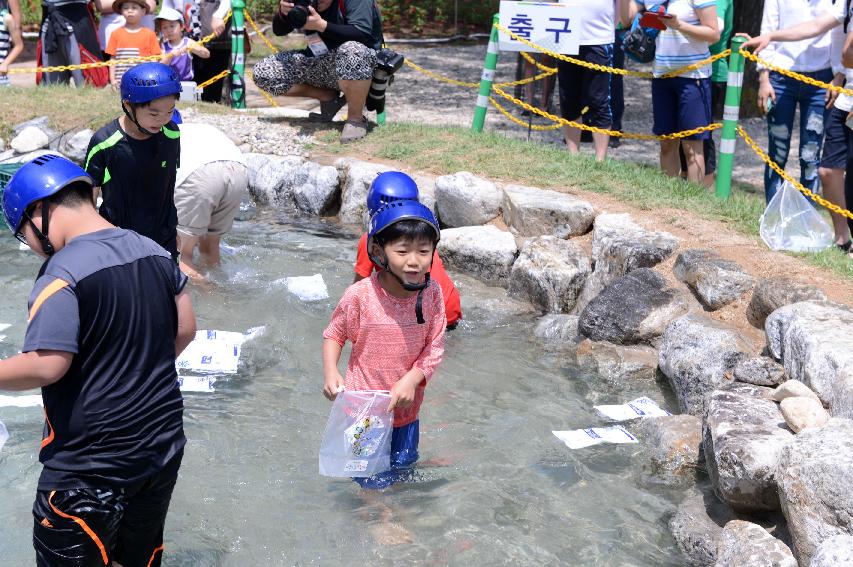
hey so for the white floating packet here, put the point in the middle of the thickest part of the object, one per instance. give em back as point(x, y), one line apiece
point(4, 326)
point(30, 401)
point(307, 288)
point(580, 438)
point(641, 407)
point(4, 435)
point(216, 352)
point(196, 383)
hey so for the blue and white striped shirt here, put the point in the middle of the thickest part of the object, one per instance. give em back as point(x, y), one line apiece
point(674, 49)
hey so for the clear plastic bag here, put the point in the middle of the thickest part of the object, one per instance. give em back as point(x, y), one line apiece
point(357, 441)
point(791, 223)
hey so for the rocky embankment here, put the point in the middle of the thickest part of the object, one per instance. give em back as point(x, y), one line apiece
point(769, 422)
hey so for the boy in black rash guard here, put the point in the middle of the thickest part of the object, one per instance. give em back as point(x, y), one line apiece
point(108, 314)
point(343, 37)
point(134, 159)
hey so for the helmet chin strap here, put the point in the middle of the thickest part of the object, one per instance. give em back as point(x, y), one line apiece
point(132, 118)
point(419, 304)
point(46, 246)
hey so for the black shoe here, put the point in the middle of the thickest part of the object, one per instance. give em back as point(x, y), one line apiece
point(328, 109)
point(614, 142)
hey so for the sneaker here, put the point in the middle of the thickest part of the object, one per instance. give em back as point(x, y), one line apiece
point(614, 142)
point(354, 130)
point(328, 109)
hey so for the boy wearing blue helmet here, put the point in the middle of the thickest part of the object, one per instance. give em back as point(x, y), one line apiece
point(396, 323)
point(107, 316)
point(134, 159)
point(390, 187)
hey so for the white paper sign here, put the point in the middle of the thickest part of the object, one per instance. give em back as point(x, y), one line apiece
point(20, 401)
point(554, 26)
point(307, 288)
point(580, 438)
point(641, 407)
point(4, 435)
point(196, 383)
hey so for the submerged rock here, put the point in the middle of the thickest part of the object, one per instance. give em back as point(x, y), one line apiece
point(486, 252)
point(558, 327)
point(463, 199)
point(714, 281)
point(616, 363)
point(771, 294)
point(529, 211)
point(743, 436)
point(814, 341)
point(696, 354)
point(815, 479)
point(760, 371)
point(744, 544)
point(673, 442)
point(549, 272)
point(697, 527)
point(635, 308)
point(836, 551)
point(619, 246)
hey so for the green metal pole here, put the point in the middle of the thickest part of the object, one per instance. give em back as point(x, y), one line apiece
point(489, 67)
point(238, 58)
point(731, 112)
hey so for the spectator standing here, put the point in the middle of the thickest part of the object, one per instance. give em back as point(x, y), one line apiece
point(11, 44)
point(208, 17)
point(178, 49)
point(111, 20)
point(132, 40)
point(69, 36)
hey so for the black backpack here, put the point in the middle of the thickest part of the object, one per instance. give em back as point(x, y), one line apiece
point(639, 42)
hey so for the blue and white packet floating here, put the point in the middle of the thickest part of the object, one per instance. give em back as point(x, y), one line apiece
point(580, 438)
point(357, 440)
point(306, 288)
point(4, 435)
point(215, 352)
point(196, 383)
point(29, 401)
point(640, 407)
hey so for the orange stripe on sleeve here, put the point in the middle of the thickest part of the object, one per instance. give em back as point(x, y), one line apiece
point(83, 525)
point(153, 555)
point(45, 294)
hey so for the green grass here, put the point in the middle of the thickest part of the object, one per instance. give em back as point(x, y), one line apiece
point(443, 150)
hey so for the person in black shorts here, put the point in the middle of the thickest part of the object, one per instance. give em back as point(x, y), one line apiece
point(107, 316)
point(134, 159)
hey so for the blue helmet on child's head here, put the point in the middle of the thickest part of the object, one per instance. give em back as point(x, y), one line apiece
point(399, 211)
point(36, 180)
point(149, 81)
point(388, 187)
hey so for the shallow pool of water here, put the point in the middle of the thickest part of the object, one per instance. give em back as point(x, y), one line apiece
point(493, 487)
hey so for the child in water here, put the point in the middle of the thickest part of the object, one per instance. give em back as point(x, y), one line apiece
point(395, 321)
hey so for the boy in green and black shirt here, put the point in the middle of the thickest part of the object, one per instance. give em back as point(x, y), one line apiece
point(134, 158)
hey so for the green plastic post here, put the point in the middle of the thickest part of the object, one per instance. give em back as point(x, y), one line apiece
point(489, 67)
point(380, 118)
point(731, 112)
point(238, 57)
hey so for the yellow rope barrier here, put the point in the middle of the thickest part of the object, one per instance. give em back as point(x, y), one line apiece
point(450, 81)
point(529, 58)
point(258, 31)
point(799, 186)
point(519, 121)
point(213, 79)
point(795, 75)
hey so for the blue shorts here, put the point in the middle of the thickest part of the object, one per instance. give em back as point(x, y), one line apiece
point(404, 454)
point(837, 141)
point(681, 104)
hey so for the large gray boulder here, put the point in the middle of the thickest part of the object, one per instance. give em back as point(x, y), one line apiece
point(836, 551)
point(743, 436)
point(715, 282)
point(771, 294)
point(426, 192)
point(40, 122)
point(744, 544)
point(635, 308)
point(356, 177)
point(696, 353)
point(558, 327)
point(697, 527)
point(815, 479)
point(75, 146)
point(268, 174)
point(291, 182)
point(463, 199)
point(549, 273)
point(673, 442)
point(760, 371)
point(617, 364)
point(529, 211)
point(619, 246)
point(814, 341)
point(486, 252)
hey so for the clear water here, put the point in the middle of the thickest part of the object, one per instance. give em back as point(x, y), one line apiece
point(493, 487)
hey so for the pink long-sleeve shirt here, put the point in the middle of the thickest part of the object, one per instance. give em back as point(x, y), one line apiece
point(387, 341)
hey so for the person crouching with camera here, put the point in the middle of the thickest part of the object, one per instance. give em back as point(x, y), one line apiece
point(343, 38)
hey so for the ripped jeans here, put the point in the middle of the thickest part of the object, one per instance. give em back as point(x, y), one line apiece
point(780, 121)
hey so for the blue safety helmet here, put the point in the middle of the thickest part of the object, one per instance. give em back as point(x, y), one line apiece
point(388, 187)
point(36, 180)
point(399, 211)
point(149, 81)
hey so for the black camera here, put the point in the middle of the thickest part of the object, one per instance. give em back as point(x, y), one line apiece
point(298, 15)
point(387, 63)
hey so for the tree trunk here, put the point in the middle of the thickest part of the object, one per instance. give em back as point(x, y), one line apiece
point(747, 19)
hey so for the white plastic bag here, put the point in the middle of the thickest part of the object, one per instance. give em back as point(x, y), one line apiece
point(357, 441)
point(4, 435)
point(791, 223)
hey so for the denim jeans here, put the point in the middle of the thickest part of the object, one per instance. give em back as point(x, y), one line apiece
point(780, 121)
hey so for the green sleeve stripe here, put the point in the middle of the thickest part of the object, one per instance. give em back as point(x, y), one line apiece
point(108, 143)
point(107, 175)
point(171, 134)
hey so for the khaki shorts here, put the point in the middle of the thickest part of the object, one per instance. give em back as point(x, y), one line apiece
point(209, 198)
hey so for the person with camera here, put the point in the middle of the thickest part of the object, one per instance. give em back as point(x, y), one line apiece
point(343, 39)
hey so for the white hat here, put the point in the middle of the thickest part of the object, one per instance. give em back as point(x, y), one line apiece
point(170, 14)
